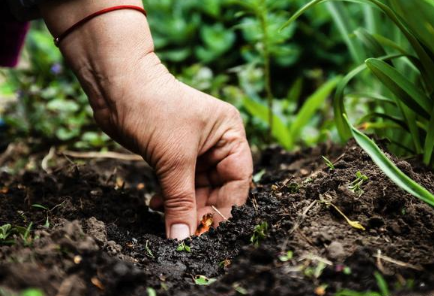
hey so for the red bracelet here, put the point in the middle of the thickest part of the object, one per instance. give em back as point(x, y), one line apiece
point(62, 36)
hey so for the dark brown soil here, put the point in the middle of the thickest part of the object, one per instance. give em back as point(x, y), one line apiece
point(103, 240)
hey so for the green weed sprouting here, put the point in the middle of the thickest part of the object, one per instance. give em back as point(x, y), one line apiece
point(329, 163)
point(5, 231)
point(148, 250)
point(287, 256)
point(260, 232)
point(293, 187)
point(183, 247)
point(356, 185)
point(381, 283)
point(202, 280)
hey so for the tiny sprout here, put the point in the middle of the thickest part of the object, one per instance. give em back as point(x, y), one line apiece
point(346, 270)
point(202, 280)
point(225, 263)
point(287, 256)
point(329, 163)
point(259, 233)
point(5, 231)
point(239, 289)
point(293, 187)
point(356, 185)
point(182, 247)
point(148, 250)
point(151, 292)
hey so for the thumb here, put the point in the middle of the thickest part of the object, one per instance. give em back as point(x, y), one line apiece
point(178, 189)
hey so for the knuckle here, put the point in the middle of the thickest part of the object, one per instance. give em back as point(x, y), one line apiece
point(180, 201)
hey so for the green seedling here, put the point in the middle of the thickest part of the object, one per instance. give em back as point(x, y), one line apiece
point(202, 280)
point(239, 289)
point(329, 163)
point(356, 185)
point(47, 210)
point(182, 247)
point(315, 272)
point(382, 286)
point(346, 270)
point(287, 256)
point(293, 188)
point(258, 176)
point(151, 292)
point(148, 250)
point(26, 235)
point(5, 231)
point(32, 292)
point(259, 233)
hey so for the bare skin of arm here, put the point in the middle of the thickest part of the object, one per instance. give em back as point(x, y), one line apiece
point(196, 143)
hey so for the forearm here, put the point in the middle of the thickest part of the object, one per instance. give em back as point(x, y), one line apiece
point(107, 48)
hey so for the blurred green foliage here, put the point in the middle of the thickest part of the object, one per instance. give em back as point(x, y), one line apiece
point(216, 46)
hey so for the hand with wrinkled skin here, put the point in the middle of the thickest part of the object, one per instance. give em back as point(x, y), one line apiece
point(196, 143)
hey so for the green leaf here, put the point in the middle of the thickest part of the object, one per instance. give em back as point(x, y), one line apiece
point(312, 104)
point(429, 142)
point(32, 292)
point(260, 111)
point(404, 89)
point(151, 292)
point(419, 16)
point(202, 280)
point(382, 284)
point(38, 206)
point(374, 47)
point(346, 27)
point(389, 168)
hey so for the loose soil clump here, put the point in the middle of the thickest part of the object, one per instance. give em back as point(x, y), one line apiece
point(94, 236)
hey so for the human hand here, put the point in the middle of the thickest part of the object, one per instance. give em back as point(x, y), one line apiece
point(195, 143)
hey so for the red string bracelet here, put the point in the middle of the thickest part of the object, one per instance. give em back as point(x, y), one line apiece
point(62, 36)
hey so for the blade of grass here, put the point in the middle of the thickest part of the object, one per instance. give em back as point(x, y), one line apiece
point(345, 26)
point(370, 42)
point(398, 120)
point(404, 89)
point(426, 61)
point(312, 104)
point(429, 142)
point(373, 96)
point(260, 111)
point(338, 101)
point(389, 168)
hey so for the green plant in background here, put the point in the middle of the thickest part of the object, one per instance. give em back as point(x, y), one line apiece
point(199, 40)
point(401, 95)
point(50, 105)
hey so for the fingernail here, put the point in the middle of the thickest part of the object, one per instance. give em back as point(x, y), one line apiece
point(179, 231)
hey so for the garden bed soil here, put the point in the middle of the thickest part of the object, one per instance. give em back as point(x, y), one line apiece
point(103, 240)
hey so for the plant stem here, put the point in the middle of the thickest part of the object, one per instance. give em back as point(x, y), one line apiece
point(262, 15)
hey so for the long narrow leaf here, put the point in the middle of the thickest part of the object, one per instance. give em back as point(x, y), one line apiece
point(346, 27)
point(389, 168)
point(426, 61)
point(260, 111)
point(404, 89)
point(312, 104)
point(338, 101)
point(429, 142)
